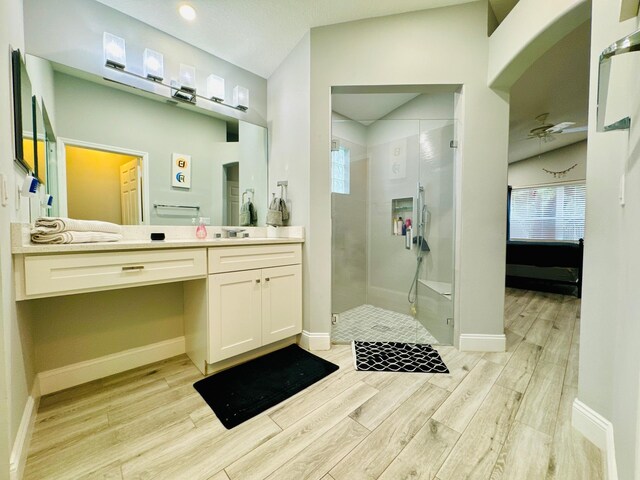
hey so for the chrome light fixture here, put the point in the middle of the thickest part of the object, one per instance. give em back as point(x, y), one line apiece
point(240, 97)
point(114, 51)
point(215, 88)
point(153, 65)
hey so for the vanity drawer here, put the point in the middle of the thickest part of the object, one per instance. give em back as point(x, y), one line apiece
point(70, 273)
point(233, 259)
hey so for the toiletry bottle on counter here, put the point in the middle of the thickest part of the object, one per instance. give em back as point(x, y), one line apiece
point(404, 229)
point(201, 231)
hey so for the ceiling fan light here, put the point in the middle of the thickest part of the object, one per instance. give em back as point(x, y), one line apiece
point(560, 127)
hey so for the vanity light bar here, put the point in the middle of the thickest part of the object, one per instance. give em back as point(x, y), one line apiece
point(183, 89)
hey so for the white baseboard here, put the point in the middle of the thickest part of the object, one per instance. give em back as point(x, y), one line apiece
point(599, 431)
point(20, 448)
point(82, 372)
point(315, 341)
point(477, 342)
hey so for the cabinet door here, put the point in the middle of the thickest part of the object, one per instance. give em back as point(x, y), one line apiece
point(281, 302)
point(235, 324)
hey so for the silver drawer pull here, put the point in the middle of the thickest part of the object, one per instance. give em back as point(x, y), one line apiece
point(133, 268)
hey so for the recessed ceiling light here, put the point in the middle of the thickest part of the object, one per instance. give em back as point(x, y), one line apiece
point(187, 12)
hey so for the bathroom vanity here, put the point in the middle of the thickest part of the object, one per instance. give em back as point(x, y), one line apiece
point(242, 296)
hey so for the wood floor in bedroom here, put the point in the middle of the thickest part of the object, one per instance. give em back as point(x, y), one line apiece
point(495, 416)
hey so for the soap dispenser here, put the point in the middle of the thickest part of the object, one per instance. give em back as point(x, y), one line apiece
point(201, 231)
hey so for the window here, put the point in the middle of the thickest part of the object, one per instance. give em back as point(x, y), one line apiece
point(547, 213)
point(340, 171)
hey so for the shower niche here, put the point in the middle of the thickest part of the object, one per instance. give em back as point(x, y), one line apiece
point(401, 210)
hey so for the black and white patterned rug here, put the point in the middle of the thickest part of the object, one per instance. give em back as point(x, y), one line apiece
point(397, 357)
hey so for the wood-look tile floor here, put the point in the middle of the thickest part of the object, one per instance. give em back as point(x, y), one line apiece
point(495, 416)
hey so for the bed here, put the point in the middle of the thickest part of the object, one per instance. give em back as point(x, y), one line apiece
point(545, 266)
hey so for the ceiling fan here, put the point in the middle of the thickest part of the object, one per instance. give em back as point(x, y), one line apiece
point(546, 131)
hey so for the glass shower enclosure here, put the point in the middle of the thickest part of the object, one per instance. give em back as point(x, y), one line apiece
point(393, 219)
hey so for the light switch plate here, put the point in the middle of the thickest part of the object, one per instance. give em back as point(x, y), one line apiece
point(4, 191)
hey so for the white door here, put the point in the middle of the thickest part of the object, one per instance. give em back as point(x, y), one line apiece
point(130, 193)
point(233, 203)
point(235, 323)
point(281, 302)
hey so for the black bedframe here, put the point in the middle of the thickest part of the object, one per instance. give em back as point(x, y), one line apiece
point(545, 266)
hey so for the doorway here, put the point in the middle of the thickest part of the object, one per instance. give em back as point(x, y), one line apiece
point(232, 193)
point(393, 212)
point(103, 183)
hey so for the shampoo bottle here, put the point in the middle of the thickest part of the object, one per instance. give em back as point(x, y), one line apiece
point(201, 231)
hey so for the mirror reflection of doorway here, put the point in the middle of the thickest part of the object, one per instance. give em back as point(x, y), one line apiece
point(103, 186)
point(232, 193)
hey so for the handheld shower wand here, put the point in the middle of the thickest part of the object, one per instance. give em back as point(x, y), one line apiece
point(421, 210)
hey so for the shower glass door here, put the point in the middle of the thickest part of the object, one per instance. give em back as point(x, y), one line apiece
point(392, 230)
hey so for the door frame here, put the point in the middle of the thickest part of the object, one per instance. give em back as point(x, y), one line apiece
point(62, 143)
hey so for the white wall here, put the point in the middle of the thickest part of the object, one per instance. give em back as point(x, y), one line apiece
point(289, 137)
point(70, 32)
point(529, 172)
point(609, 353)
point(440, 46)
point(531, 28)
point(16, 372)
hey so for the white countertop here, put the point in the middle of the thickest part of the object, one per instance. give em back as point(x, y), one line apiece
point(137, 238)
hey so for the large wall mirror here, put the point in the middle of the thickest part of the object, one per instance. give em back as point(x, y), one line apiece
point(119, 154)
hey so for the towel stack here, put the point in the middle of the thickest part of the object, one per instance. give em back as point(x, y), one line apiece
point(278, 213)
point(58, 230)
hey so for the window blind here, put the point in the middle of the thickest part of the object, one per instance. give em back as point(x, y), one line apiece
point(548, 213)
point(340, 170)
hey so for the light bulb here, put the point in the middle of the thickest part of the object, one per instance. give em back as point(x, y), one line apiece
point(187, 12)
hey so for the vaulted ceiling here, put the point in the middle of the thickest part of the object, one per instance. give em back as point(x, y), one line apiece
point(258, 34)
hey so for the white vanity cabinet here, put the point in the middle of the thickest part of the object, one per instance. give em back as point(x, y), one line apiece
point(252, 308)
point(254, 299)
point(39, 276)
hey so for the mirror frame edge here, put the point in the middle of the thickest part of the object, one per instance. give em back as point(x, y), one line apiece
point(16, 58)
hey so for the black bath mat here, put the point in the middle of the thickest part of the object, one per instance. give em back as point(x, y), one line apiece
point(242, 392)
point(397, 357)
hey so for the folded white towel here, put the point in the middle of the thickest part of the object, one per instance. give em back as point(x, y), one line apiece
point(61, 224)
point(75, 237)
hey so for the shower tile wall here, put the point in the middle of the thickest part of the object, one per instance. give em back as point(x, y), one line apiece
point(349, 236)
point(437, 177)
point(391, 265)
